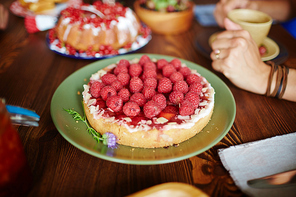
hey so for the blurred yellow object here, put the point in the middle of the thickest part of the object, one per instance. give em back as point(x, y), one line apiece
point(40, 5)
point(170, 190)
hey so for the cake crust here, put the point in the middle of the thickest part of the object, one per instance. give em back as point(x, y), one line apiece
point(146, 139)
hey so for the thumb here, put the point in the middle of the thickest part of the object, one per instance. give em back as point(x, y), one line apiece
point(229, 25)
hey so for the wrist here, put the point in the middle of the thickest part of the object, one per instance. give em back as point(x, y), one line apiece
point(263, 82)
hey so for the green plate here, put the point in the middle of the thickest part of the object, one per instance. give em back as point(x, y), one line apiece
point(66, 96)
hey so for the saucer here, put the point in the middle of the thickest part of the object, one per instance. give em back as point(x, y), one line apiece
point(272, 48)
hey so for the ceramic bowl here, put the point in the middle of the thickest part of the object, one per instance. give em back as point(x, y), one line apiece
point(166, 23)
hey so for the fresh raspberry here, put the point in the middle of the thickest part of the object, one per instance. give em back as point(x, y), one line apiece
point(164, 85)
point(170, 8)
point(192, 78)
point(115, 103)
point(149, 66)
point(171, 109)
point(95, 89)
point(193, 98)
point(176, 97)
point(120, 69)
point(144, 59)
point(135, 70)
point(168, 70)
point(123, 62)
point(124, 78)
point(196, 88)
point(138, 98)
point(117, 85)
point(160, 100)
point(186, 108)
point(262, 50)
point(176, 63)
point(148, 92)
point(107, 91)
point(131, 109)
point(124, 94)
point(149, 74)
point(108, 79)
point(136, 85)
point(161, 63)
point(181, 86)
point(150, 82)
point(151, 109)
point(176, 76)
point(185, 71)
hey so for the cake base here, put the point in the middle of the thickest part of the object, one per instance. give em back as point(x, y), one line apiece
point(153, 138)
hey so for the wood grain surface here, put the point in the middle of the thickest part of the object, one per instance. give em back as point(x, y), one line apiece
point(30, 73)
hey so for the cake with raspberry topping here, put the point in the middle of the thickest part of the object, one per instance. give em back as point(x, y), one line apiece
point(97, 28)
point(148, 103)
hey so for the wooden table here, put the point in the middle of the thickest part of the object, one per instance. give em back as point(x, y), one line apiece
point(30, 73)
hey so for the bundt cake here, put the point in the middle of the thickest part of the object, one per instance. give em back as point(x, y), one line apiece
point(97, 27)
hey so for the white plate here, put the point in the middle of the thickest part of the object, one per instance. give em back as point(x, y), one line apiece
point(137, 45)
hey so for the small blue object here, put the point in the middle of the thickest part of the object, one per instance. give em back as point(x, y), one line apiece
point(290, 26)
point(204, 14)
point(22, 111)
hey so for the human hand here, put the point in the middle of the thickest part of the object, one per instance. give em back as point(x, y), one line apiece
point(224, 6)
point(236, 55)
point(3, 17)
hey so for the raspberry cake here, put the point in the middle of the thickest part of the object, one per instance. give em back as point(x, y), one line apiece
point(97, 28)
point(148, 103)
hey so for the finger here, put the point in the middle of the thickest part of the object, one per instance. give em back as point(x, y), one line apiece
point(219, 54)
point(231, 39)
point(217, 66)
point(221, 67)
point(230, 25)
point(222, 44)
point(233, 33)
point(219, 15)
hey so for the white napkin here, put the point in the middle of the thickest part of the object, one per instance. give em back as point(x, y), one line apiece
point(261, 158)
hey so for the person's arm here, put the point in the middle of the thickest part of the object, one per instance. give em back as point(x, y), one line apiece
point(279, 10)
point(236, 55)
point(224, 6)
point(290, 93)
